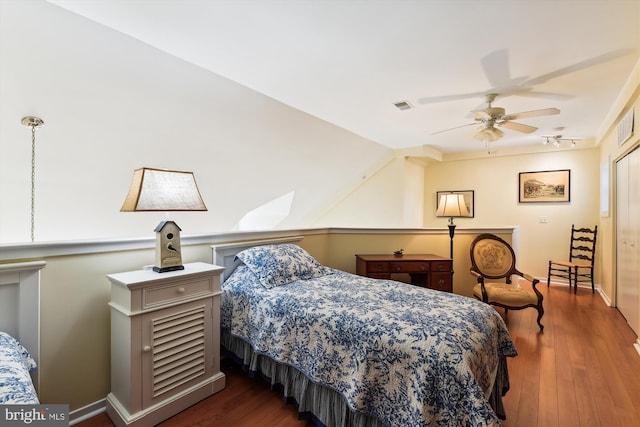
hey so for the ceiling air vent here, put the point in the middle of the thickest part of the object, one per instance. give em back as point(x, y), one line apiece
point(403, 105)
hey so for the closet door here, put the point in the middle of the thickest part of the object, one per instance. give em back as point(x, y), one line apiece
point(627, 237)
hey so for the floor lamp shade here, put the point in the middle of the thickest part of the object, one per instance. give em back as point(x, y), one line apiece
point(154, 190)
point(452, 206)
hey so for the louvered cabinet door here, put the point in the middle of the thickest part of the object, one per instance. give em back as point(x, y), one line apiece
point(176, 350)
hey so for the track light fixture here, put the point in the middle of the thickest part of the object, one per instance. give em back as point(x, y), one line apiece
point(556, 140)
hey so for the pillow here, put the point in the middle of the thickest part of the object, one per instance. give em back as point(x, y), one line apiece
point(11, 349)
point(277, 265)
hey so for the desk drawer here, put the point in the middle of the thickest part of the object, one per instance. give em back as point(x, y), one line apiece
point(169, 294)
point(377, 267)
point(441, 266)
point(409, 267)
point(441, 282)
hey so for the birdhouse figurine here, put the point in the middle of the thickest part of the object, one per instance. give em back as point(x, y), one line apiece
point(168, 251)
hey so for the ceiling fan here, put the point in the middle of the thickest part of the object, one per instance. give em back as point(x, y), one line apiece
point(491, 116)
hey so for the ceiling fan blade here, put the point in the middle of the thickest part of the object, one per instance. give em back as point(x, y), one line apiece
point(518, 127)
point(481, 115)
point(578, 66)
point(457, 127)
point(529, 93)
point(532, 113)
point(496, 69)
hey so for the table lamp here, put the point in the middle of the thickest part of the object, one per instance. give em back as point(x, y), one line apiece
point(161, 190)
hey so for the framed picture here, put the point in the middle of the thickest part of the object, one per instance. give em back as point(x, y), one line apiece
point(468, 200)
point(545, 186)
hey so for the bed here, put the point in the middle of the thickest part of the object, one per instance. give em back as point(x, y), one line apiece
point(16, 365)
point(355, 351)
point(19, 331)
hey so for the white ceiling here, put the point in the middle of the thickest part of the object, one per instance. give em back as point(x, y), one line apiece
point(348, 62)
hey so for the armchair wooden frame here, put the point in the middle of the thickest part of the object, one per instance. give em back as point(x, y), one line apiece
point(492, 258)
point(579, 267)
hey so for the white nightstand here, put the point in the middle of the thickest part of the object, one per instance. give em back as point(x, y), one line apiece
point(165, 342)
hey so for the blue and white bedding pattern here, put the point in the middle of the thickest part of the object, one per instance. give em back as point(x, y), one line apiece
point(16, 386)
point(405, 355)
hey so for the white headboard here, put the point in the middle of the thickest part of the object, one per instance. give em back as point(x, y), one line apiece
point(224, 255)
point(20, 305)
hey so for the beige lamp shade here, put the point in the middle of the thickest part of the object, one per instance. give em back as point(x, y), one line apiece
point(452, 206)
point(163, 190)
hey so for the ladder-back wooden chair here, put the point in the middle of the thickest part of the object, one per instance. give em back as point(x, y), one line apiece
point(579, 267)
point(493, 259)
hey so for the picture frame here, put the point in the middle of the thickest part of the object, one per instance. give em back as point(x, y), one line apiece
point(544, 186)
point(468, 200)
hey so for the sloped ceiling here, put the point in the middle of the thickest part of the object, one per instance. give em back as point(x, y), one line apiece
point(348, 62)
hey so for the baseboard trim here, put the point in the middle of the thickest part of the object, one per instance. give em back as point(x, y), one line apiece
point(604, 296)
point(598, 288)
point(87, 412)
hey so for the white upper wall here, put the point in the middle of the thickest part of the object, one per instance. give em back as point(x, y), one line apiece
point(390, 198)
point(105, 117)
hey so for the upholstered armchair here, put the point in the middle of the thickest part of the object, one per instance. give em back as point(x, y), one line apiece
point(493, 263)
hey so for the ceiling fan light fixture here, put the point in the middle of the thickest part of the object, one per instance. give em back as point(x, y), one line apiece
point(489, 134)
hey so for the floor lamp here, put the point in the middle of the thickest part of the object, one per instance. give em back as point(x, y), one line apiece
point(452, 206)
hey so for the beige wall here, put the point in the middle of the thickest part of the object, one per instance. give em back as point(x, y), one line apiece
point(494, 180)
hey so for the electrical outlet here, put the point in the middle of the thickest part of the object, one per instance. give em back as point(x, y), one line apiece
point(544, 219)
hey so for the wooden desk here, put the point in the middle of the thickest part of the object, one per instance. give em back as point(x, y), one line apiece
point(426, 270)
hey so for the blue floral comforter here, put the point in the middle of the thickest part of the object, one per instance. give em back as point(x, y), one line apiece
point(406, 355)
point(15, 364)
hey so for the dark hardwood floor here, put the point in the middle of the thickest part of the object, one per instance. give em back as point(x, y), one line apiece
point(581, 371)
